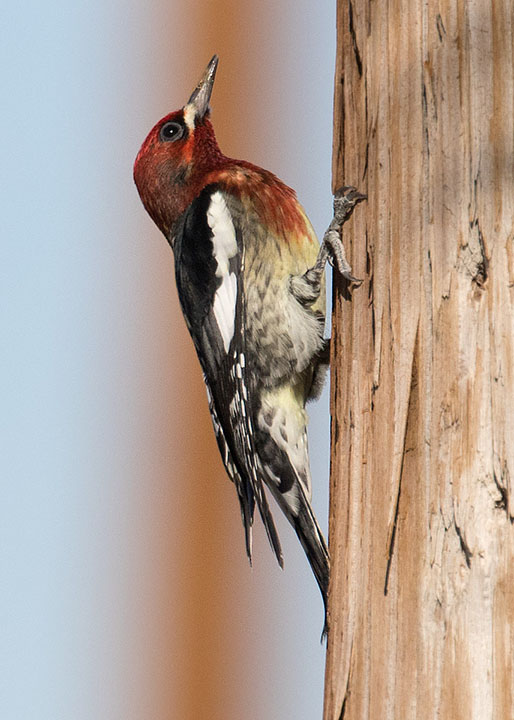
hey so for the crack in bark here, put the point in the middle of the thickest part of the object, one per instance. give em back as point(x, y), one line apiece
point(477, 263)
point(425, 117)
point(365, 171)
point(463, 544)
point(483, 265)
point(347, 688)
point(351, 30)
point(410, 418)
point(474, 253)
point(366, 156)
point(393, 533)
point(504, 502)
point(441, 30)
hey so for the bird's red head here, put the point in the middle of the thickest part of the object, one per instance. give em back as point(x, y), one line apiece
point(177, 155)
point(180, 157)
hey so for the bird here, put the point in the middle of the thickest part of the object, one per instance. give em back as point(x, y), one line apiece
point(250, 278)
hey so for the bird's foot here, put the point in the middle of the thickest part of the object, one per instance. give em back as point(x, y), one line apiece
point(345, 200)
point(306, 287)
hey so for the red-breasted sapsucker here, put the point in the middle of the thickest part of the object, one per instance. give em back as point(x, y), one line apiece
point(250, 278)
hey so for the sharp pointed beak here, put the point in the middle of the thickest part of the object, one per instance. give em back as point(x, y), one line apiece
point(199, 100)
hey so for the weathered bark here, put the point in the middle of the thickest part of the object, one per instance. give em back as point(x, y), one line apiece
point(421, 522)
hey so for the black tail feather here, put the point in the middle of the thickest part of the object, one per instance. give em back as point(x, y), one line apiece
point(247, 503)
point(311, 537)
point(314, 545)
point(268, 522)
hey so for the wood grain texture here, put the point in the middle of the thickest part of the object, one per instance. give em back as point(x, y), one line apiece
point(421, 522)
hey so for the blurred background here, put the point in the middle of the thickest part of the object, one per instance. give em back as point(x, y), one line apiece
point(126, 593)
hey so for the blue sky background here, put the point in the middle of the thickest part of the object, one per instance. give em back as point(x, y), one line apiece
point(93, 438)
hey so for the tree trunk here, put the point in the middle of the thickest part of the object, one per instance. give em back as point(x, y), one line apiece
point(421, 607)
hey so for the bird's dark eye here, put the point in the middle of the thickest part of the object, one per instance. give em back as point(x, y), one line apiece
point(171, 131)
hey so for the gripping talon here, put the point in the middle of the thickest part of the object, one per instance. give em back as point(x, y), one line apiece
point(306, 287)
point(345, 200)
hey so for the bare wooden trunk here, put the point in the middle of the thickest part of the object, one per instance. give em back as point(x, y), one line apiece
point(421, 522)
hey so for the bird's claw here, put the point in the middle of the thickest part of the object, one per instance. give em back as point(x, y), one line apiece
point(345, 199)
point(306, 287)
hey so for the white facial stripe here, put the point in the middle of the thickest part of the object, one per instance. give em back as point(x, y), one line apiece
point(189, 116)
point(224, 247)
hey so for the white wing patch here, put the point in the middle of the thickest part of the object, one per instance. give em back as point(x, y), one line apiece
point(225, 247)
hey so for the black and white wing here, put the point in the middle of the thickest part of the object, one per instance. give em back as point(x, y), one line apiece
point(209, 264)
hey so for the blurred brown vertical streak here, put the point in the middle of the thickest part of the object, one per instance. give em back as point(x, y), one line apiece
point(209, 644)
point(421, 522)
